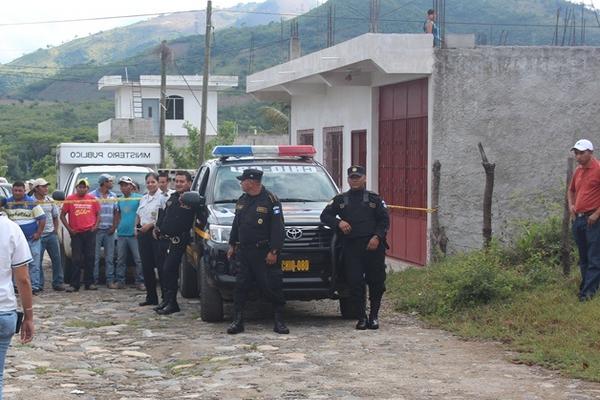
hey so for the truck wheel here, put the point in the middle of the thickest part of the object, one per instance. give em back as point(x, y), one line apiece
point(211, 303)
point(348, 309)
point(187, 279)
point(67, 264)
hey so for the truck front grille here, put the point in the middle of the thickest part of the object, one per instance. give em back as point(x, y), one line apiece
point(297, 237)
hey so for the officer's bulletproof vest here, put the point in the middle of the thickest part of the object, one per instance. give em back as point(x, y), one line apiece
point(361, 218)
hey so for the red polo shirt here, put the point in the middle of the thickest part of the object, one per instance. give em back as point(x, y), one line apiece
point(586, 186)
point(82, 211)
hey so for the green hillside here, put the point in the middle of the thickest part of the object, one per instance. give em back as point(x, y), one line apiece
point(493, 21)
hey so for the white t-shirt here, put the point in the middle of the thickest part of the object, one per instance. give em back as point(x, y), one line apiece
point(14, 252)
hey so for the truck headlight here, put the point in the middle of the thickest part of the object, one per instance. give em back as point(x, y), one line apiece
point(219, 233)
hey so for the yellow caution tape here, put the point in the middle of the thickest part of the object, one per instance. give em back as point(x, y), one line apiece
point(111, 200)
point(201, 233)
point(427, 210)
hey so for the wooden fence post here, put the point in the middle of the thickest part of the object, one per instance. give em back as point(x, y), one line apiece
point(487, 196)
point(565, 237)
point(439, 240)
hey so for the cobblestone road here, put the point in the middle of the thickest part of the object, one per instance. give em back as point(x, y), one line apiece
point(100, 345)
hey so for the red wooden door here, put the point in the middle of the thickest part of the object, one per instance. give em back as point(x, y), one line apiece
point(403, 166)
point(332, 152)
point(359, 148)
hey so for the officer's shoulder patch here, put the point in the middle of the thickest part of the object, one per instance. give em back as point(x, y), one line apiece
point(239, 206)
point(276, 210)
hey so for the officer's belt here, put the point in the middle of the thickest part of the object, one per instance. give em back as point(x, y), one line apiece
point(258, 245)
point(175, 240)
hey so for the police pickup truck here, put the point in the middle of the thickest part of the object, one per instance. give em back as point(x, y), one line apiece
point(308, 258)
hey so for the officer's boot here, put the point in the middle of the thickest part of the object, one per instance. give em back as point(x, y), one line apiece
point(363, 322)
point(279, 326)
point(171, 307)
point(374, 313)
point(164, 301)
point(237, 326)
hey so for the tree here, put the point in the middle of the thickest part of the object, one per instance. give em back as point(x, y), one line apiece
point(187, 157)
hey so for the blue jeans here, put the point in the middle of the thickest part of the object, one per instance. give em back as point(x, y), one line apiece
point(35, 246)
point(50, 244)
point(103, 239)
point(587, 239)
point(8, 322)
point(131, 243)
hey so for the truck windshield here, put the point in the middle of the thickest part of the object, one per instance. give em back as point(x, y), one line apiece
point(291, 183)
point(137, 177)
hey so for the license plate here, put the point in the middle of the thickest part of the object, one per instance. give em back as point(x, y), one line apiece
point(295, 265)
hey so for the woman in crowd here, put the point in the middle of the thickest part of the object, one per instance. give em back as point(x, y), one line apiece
point(151, 249)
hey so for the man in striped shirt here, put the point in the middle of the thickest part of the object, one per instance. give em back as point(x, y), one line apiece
point(105, 235)
point(23, 210)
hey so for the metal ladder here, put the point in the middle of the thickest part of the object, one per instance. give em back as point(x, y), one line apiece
point(136, 90)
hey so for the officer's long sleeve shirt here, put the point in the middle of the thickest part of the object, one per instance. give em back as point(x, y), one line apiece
point(364, 211)
point(258, 220)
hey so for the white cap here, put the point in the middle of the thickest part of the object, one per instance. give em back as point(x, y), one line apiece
point(125, 179)
point(583, 145)
point(39, 182)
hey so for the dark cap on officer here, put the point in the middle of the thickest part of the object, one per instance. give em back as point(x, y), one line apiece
point(356, 170)
point(251, 173)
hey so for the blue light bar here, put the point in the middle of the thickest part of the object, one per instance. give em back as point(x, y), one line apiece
point(264, 151)
point(232, 151)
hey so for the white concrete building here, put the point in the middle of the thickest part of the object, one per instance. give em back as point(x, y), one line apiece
point(137, 115)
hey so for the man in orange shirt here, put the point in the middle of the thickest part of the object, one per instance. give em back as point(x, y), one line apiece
point(83, 210)
point(584, 204)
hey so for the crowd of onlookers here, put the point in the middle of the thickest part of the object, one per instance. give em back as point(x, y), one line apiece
point(97, 221)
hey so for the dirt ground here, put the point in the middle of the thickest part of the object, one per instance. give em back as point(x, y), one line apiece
point(101, 345)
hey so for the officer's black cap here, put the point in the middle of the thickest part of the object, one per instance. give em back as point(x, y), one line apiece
point(356, 170)
point(251, 173)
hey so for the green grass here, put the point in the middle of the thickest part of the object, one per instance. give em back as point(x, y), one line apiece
point(517, 296)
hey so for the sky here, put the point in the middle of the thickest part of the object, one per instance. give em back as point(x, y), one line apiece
point(18, 40)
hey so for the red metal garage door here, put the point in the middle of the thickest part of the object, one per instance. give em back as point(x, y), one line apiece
point(403, 166)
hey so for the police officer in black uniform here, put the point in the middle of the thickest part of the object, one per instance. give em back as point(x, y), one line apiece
point(173, 225)
point(362, 218)
point(255, 242)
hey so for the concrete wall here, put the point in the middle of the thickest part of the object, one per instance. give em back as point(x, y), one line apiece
point(349, 107)
point(527, 106)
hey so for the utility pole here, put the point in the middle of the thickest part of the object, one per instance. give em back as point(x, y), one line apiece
point(374, 16)
point(205, 78)
point(164, 54)
point(251, 56)
point(331, 25)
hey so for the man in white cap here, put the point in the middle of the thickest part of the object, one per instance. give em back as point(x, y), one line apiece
point(584, 203)
point(49, 236)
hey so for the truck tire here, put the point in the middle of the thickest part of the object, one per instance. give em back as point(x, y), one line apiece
point(188, 283)
point(348, 309)
point(211, 303)
point(67, 265)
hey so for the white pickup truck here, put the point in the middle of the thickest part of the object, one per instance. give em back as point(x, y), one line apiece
point(75, 161)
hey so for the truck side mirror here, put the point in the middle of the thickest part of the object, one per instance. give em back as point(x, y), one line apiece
point(58, 195)
point(193, 200)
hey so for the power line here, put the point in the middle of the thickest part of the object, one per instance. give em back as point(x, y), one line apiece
point(193, 94)
point(60, 21)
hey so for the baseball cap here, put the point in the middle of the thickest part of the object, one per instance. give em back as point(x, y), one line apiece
point(39, 182)
point(105, 178)
point(583, 145)
point(125, 179)
point(83, 181)
point(356, 170)
point(251, 173)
